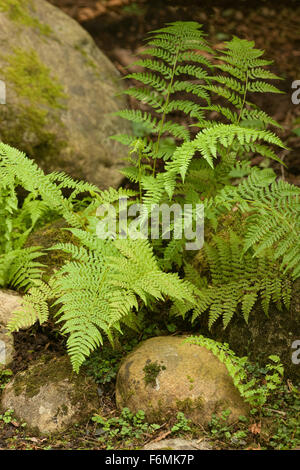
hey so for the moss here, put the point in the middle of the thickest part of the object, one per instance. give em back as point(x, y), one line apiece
point(21, 11)
point(126, 395)
point(33, 79)
point(188, 405)
point(157, 413)
point(63, 410)
point(43, 98)
point(51, 370)
point(48, 236)
point(152, 369)
point(191, 380)
point(54, 370)
point(37, 376)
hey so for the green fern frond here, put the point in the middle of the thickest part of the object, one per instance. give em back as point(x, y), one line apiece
point(207, 142)
point(237, 281)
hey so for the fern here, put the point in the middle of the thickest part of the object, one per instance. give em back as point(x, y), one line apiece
point(207, 143)
point(19, 268)
point(173, 53)
point(94, 294)
point(171, 47)
point(273, 220)
point(253, 391)
point(104, 283)
point(45, 200)
point(243, 65)
point(237, 281)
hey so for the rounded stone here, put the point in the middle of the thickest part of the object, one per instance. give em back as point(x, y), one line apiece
point(9, 301)
point(179, 444)
point(165, 375)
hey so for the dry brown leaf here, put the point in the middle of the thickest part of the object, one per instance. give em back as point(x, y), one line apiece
point(255, 428)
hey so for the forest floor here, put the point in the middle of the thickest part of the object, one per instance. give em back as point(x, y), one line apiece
point(119, 28)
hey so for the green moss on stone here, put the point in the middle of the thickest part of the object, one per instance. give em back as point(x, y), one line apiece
point(32, 79)
point(51, 372)
point(152, 369)
point(28, 127)
point(39, 375)
point(48, 236)
point(21, 11)
point(188, 405)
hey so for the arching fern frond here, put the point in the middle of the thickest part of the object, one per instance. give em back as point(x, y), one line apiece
point(236, 282)
point(206, 143)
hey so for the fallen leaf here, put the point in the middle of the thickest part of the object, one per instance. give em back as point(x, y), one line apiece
point(255, 428)
point(15, 424)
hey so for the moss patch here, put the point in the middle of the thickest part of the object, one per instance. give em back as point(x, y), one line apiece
point(28, 128)
point(33, 79)
point(152, 369)
point(41, 374)
point(48, 236)
point(188, 405)
point(21, 11)
point(51, 371)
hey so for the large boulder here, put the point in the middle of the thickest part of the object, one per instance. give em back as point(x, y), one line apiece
point(165, 375)
point(9, 301)
point(49, 397)
point(61, 93)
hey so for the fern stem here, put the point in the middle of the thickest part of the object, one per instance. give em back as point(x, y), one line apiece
point(140, 174)
point(165, 107)
point(243, 105)
point(244, 97)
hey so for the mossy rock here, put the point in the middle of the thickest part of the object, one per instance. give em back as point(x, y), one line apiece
point(61, 93)
point(191, 380)
point(49, 397)
point(48, 236)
